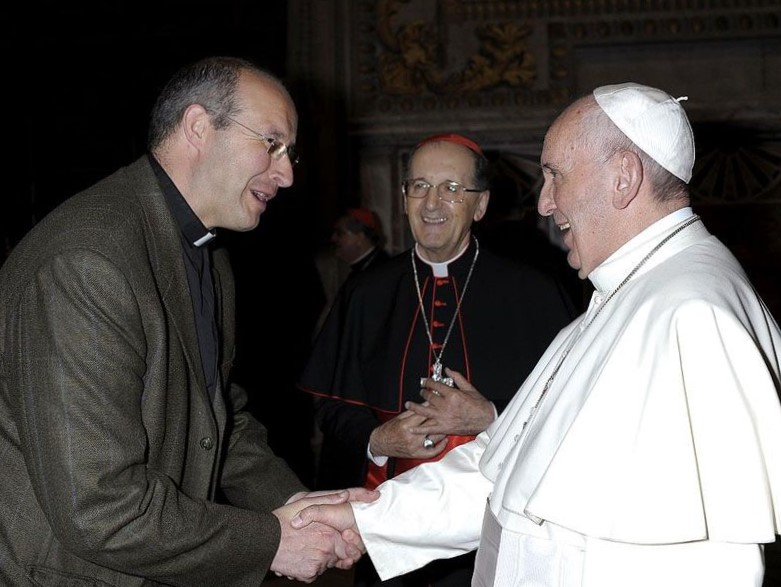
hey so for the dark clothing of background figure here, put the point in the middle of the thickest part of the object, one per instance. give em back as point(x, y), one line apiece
point(520, 239)
point(373, 349)
point(96, 326)
point(336, 464)
point(376, 256)
point(334, 272)
point(277, 308)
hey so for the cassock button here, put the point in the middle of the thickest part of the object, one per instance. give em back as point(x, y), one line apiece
point(516, 437)
point(207, 443)
point(501, 465)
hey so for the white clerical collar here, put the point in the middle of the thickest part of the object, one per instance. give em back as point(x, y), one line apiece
point(204, 239)
point(614, 269)
point(440, 269)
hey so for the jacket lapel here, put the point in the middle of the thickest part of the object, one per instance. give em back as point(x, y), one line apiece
point(166, 259)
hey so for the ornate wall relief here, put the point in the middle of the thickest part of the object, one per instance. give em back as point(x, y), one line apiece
point(424, 57)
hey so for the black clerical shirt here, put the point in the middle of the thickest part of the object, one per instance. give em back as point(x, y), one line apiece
point(197, 261)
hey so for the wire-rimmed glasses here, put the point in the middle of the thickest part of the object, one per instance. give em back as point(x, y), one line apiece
point(447, 191)
point(274, 147)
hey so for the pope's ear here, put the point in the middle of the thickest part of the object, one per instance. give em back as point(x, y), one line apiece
point(629, 176)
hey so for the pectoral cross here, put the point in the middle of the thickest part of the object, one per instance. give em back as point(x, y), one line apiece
point(437, 375)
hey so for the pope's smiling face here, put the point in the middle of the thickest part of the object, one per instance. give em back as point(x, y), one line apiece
point(576, 193)
point(440, 228)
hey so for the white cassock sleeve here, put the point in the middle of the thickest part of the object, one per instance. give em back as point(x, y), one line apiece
point(433, 511)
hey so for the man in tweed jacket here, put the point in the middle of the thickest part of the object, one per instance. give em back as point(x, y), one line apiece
point(126, 456)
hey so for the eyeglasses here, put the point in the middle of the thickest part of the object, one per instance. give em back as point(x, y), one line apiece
point(275, 147)
point(447, 191)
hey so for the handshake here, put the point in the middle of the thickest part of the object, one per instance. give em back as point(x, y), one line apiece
point(318, 533)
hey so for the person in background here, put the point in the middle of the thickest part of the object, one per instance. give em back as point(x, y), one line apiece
point(357, 239)
point(126, 453)
point(443, 304)
point(355, 245)
point(645, 447)
point(513, 230)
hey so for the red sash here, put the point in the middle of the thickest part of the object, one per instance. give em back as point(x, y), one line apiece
point(376, 474)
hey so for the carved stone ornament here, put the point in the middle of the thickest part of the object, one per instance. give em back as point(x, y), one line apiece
point(423, 56)
point(416, 54)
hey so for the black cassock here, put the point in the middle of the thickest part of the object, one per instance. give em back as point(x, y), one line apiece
point(373, 349)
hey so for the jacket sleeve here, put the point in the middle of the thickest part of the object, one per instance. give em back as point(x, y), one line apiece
point(77, 370)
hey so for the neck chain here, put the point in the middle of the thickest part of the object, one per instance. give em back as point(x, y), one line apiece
point(585, 325)
point(437, 369)
point(642, 262)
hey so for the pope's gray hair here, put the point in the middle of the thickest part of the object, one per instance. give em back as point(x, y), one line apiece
point(604, 139)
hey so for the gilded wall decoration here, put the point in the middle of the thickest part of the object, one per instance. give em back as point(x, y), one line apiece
point(414, 55)
point(425, 56)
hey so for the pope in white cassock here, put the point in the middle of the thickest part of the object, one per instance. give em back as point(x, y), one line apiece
point(645, 447)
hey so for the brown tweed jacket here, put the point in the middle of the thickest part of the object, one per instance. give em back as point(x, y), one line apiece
point(111, 451)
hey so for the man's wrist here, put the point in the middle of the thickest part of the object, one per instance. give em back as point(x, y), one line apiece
point(378, 460)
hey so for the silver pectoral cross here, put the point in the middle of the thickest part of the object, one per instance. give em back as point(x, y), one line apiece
point(437, 375)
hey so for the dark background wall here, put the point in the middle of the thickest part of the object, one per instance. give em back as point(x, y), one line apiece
point(88, 73)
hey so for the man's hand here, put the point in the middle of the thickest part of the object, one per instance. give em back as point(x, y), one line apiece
point(395, 438)
point(451, 410)
point(305, 553)
point(353, 494)
point(339, 516)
